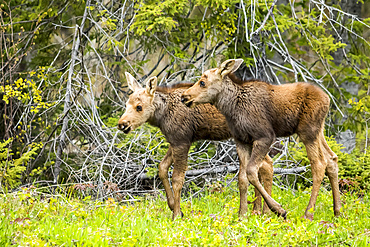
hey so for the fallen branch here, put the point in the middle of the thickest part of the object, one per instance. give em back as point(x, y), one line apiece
point(228, 169)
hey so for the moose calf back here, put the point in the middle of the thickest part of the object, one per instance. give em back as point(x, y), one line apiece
point(299, 108)
point(182, 124)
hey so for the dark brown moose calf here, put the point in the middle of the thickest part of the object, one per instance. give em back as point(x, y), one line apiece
point(258, 112)
point(162, 107)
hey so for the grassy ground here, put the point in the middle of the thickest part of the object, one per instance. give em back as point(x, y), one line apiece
point(27, 220)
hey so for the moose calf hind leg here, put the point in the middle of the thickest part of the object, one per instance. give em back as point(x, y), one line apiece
point(257, 204)
point(318, 166)
point(332, 172)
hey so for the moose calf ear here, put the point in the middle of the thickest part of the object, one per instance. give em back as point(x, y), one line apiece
point(151, 85)
point(132, 83)
point(229, 66)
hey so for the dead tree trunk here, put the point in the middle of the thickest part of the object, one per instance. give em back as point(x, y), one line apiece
point(67, 103)
point(67, 100)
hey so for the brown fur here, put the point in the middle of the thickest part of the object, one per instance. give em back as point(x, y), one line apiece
point(181, 126)
point(170, 88)
point(238, 80)
point(258, 112)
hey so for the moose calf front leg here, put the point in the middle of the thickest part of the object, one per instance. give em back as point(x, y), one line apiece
point(163, 175)
point(265, 175)
point(243, 154)
point(179, 155)
point(260, 149)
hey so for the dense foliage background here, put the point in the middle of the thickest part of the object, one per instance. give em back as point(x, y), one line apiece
point(62, 87)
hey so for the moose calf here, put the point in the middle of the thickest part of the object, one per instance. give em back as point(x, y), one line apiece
point(258, 112)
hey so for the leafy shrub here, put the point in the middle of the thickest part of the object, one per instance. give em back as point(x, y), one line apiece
point(12, 169)
point(23, 118)
point(354, 166)
point(357, 167)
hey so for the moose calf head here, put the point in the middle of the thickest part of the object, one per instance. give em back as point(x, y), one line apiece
point(208, 87)
point(139, 107)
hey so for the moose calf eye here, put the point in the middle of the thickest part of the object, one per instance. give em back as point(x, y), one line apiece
point(139, 108)
point(202, 83)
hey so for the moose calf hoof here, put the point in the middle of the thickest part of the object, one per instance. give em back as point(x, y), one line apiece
point(242, 215)
point(336, 213)
point(175, 217)
point(178, 215)
point(282, 214)
point(256, 212)
point(266, 210)
point(308, 217)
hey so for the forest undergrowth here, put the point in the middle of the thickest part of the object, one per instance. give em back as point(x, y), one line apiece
point(31, 218)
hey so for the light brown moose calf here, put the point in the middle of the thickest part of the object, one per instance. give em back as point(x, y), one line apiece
point(258, 112)
point(162, 107)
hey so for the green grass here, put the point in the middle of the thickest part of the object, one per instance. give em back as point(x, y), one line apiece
point(27, 220)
